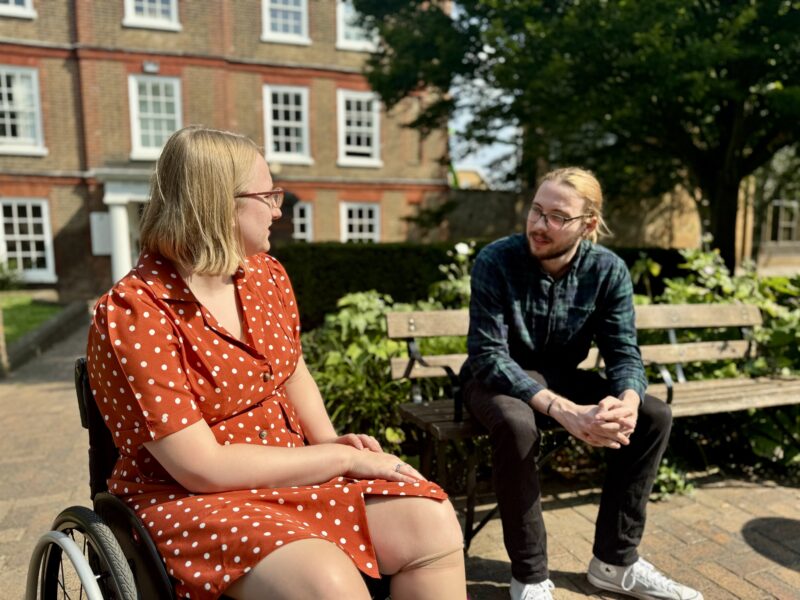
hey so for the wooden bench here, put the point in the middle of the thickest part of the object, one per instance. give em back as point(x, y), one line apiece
point(443, 422)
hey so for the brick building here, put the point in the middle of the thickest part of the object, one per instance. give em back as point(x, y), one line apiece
point(89, 92)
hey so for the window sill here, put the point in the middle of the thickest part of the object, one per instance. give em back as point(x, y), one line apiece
point(356, 46)
point(290, 159)
point(369, 163)
point(23, 150)
point(145, 154)
point(18, 13)
point(38, 277)
point(289, 39)
point(157, 25)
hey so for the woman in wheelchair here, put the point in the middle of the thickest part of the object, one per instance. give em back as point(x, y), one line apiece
point(227, 453)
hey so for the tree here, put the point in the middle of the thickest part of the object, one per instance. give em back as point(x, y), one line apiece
point(649, 94)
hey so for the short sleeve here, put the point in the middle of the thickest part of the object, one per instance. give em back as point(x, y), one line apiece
point(136, 367)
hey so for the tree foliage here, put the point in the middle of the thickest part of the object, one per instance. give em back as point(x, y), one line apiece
point(648, 94)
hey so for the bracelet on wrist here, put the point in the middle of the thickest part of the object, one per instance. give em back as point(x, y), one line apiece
point(549, 406)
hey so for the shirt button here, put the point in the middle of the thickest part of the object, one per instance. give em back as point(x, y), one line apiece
point(266, 376)
point(262, 434)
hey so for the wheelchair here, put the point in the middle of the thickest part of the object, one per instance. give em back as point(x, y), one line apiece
point(105, 553)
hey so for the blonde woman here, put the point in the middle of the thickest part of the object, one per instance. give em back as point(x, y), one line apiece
point(226, 451)
point(538, 301)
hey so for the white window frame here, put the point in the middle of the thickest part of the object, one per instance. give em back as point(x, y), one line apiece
point(37, 147)
point(48, 274)
point(21, 12)
point(342, 43)
point(139, 152)
point(294, 158)
point(343, 221)
point(131, 19)
point(344, 160)
point(267, 35)
point(307, 221)
point(793, 226)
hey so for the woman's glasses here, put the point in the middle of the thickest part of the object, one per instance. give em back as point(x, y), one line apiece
point(272, 198)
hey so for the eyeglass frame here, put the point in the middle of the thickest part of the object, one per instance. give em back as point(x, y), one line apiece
point(547, 216)
point(267, 198)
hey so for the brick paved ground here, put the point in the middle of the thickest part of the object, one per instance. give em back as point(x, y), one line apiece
point(731, 539)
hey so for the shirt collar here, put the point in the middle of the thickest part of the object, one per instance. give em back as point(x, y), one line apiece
point(160, 274)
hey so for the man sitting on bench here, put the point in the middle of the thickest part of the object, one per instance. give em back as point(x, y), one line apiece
point(538, 300)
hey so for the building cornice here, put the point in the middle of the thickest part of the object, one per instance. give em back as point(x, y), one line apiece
point(90, 51)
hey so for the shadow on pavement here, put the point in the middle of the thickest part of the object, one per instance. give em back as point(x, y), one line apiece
point(775, 538)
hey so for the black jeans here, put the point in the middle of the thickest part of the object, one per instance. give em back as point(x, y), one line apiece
point(515, 436)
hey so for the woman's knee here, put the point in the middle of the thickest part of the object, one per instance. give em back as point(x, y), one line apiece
point(306, 568)
point(408, 529)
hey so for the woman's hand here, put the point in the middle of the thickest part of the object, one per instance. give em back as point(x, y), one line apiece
point(359, 441)
point(380, 465)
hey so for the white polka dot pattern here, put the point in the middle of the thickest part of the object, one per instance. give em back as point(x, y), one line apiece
point(158, 362)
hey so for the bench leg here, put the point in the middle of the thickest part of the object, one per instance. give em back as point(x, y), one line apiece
point(469, 516)
point(441, 463)
point(426, 456)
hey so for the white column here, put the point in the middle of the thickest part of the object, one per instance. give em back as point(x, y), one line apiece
point(120, 241)
point(117, 195)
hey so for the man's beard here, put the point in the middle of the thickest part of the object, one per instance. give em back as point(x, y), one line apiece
point(554, 252)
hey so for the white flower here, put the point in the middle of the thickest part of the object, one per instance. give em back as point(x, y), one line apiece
point(462, 248)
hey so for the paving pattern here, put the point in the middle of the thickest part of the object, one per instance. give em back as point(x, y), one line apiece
point(730, 538)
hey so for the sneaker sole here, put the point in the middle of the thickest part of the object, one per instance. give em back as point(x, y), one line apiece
point(604, 585)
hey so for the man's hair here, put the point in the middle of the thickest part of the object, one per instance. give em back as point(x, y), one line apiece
point(587, 188)
point(191, 216)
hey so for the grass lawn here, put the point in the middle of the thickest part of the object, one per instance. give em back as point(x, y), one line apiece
point(22, 313)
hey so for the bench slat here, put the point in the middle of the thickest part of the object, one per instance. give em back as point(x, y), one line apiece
point(667, 354)
point(432, 323)
point(653, 353)
point(676, 316)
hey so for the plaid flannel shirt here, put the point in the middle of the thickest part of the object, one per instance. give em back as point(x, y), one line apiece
point(523, 319)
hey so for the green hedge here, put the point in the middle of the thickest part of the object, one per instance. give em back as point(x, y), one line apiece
point(323, 272)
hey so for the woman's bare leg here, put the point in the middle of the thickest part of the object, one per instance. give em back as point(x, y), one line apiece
point(312, 569)
point(418, 541)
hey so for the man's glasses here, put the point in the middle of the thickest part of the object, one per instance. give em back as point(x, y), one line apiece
point(551, 221)
point(272, 198)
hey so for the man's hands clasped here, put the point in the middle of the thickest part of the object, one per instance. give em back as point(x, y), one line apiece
point(608, 424)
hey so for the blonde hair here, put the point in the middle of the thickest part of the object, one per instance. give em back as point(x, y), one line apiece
point(190, 218)
point(586, 186)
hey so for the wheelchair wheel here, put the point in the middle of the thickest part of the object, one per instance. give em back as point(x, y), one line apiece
point(59, 581)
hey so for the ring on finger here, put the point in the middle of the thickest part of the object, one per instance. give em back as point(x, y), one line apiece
point(399, 466)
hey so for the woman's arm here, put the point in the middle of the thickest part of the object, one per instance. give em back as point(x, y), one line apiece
point(194, 458)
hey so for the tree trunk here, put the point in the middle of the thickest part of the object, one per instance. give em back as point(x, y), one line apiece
point(723, 196)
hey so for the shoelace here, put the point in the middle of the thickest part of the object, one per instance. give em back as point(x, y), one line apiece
point(646, 573)
point(539, 591)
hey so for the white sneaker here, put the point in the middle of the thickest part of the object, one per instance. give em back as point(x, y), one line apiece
point(640, 580)
point(531, 591)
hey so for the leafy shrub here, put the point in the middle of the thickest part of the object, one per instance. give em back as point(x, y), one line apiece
point(752, 438)
point(9, 279)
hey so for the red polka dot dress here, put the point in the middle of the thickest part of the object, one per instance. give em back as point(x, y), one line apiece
point(158, 362)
